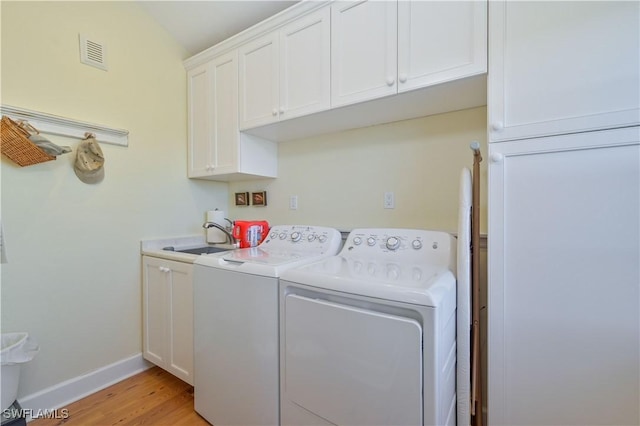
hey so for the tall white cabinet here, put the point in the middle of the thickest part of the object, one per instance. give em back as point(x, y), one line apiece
point(564, 213)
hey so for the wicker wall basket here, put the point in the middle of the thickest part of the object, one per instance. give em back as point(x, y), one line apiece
point(17, 146)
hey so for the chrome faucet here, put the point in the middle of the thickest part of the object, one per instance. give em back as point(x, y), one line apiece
point(226, 231)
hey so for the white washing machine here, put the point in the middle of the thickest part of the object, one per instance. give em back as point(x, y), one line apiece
point(368, 337)
point(236, 323)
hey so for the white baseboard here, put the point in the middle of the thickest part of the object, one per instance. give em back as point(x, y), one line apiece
point(63, 394)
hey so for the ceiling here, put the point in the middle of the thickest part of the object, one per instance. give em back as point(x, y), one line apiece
point(198, 25)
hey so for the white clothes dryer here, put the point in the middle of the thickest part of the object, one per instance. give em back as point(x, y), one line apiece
point(236, 323)
point(368, 337)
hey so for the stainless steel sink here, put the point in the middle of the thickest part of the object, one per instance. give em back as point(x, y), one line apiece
point(198, 250)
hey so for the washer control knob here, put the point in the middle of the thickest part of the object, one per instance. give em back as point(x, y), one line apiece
point(283, 235)
point(311, 237)
point(295, 236)
point(273, 235)
point(357, 241)
point(371, 241)
point(416, 244)
point(322, 238)
point(393, 243)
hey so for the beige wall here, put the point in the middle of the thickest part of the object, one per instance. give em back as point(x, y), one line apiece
point(73, 274)
point(340, 178)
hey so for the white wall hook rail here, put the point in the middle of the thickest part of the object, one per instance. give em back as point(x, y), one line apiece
point(55, 125)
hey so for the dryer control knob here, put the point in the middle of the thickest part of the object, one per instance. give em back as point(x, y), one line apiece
point(393, 243)
point(416, 244)
point(311, 237)
point(295, 236)
point(322, 238)
point(371, 241)
point(273, 235)
point(283, 235)
point(357, 241)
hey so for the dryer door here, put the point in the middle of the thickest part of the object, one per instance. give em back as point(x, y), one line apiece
point(352, 366)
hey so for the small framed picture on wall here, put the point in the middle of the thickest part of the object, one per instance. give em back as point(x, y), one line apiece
point(259, 198)
point(242, 198)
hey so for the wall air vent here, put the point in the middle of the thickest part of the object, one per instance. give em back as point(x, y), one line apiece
point(93, 53)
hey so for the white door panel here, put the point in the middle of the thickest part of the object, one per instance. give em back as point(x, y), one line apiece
point(565, 280)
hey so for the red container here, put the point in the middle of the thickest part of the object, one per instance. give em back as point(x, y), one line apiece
point(250, 233)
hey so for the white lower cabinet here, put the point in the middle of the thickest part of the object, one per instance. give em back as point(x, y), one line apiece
point(167, 295)
point(564, 280)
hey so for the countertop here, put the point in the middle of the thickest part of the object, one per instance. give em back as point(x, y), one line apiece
point(155, 247)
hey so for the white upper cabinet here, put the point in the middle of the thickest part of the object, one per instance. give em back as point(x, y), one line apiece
point(199, 117)
point(217, 150)
point(225, 114)
point(259, 81)
point(305, 65)
point(313, 68)
point(286, 73)
point(440, 41)
point(213, 117)
point(562, 67)
point(363, 50)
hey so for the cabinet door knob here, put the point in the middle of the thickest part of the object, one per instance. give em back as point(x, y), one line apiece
point(497, 158)
point(281, 110)
point(402, 78)
point(497, 126)
point(164, 269)
point(274, 112)
point(390, 81)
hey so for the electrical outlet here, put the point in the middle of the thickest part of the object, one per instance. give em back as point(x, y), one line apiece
point(389, 200)
point(293, 202)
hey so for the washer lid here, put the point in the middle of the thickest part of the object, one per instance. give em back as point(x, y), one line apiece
point(258, 261)
point(263, 256)
point(287, 246)
point(416, 283)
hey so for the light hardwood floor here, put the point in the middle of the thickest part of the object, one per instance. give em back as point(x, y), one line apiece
point(153, 397)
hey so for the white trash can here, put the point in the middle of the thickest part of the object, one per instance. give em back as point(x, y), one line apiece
point(16, 349)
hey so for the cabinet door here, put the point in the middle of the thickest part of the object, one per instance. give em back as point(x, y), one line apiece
point(225, 113)
point(200, 121)
point(564, 280)
point(363, 51)
point(562, 67)
point(440, 41)
point(155, 295)
point(259, 81)
point(167, 295)
point(305, 67)
point(180, 312)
